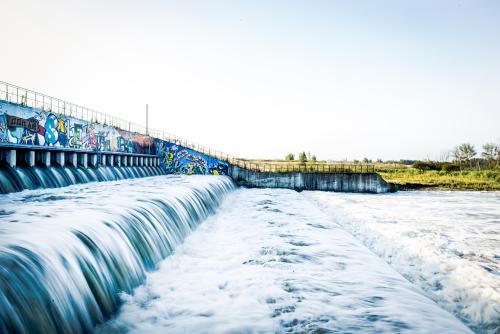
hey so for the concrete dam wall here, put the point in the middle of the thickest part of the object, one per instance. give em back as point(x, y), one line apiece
point(339, 182)
point(68, 144)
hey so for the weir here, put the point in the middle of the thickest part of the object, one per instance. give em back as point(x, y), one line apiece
point(66, 255)
point(69, 258)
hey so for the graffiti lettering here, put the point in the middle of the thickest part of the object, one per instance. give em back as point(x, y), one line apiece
point(30, 124)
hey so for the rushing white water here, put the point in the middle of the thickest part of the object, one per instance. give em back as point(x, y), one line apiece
point(448, 243)
point(271, 261)
point(66, 253)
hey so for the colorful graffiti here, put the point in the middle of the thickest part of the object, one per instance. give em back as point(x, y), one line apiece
point(180, 160)
point(28, 126)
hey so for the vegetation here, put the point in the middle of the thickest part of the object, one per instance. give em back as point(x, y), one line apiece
point(465, 172)
point(413, 178)
point(303, 157)
point(462, 168)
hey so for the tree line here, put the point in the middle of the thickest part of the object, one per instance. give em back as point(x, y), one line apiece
point(466, 153)
point(464, 156)
point(302, 157)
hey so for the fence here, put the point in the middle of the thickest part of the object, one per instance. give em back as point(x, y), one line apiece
point(25, 97)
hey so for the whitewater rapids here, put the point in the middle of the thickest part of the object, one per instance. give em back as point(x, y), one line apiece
point(271, 261)
point(445, 242)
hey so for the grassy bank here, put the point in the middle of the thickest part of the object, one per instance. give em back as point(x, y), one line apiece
point(411, 178)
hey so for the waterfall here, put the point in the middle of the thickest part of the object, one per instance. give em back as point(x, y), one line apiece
point(23, 177)
point(66, 254)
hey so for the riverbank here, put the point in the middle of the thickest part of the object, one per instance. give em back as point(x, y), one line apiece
point(412, 179)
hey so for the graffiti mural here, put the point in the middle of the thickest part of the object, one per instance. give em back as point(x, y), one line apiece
point(29, 126)
point(181, 160)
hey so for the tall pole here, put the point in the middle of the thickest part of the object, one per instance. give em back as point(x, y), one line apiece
point(147, 128)
point(147, 121)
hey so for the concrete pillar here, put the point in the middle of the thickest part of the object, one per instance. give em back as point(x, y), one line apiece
point(118, 160)
point(30, 158)
point(60, 158)
point(103, 159)
point(130, 160)
point(45, 158)
point(111, 160)
point(11, 157)
point(73, 159)
point(93, 160)
point(83, 157)
point(157, 162)
point(141, 161)
point(124, 160)
point(136, 161)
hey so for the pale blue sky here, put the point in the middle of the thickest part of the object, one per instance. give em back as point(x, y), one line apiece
point(342, 79)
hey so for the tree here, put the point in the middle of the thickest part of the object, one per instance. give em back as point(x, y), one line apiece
point(491, 152)
point(303, 157)
point(464, 152)
point(457, 155)
point(290, 157)
point(313, 158)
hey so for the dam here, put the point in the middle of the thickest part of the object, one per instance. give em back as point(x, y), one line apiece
point(70, 144)
point(109, 227)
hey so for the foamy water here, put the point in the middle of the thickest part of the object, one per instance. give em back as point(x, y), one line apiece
point(272, 261)
point(447, 243)
point(66, 253)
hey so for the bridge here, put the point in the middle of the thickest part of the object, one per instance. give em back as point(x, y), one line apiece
point(40, 131)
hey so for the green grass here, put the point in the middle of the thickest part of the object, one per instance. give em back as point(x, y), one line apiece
point(460, 180)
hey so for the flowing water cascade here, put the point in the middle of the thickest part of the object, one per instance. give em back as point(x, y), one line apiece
point(22, 177)
point(67, 254)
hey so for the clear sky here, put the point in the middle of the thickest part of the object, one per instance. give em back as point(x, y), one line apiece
point(341, 79)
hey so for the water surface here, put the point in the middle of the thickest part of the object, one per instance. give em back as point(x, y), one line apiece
point(446, 242)
point(271, 261)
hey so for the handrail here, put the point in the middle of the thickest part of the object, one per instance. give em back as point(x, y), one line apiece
point(25, 97)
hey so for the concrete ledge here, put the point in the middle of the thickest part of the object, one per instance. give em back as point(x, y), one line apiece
point(339, 182)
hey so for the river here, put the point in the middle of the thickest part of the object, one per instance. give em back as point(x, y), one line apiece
point(178, 254)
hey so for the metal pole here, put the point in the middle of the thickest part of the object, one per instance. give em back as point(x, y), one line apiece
point(147, 120)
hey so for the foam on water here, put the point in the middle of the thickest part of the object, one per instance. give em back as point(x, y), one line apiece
point(271, 261)
point(447, 243)
point(66, 253)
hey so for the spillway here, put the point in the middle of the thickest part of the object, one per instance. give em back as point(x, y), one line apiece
point(22, 177)
point(66, 254)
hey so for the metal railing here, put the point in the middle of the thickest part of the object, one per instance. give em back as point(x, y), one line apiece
point(25, 97)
